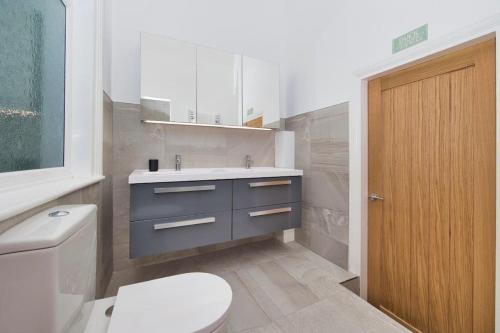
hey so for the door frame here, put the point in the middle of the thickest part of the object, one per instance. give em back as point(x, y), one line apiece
point(358, 166)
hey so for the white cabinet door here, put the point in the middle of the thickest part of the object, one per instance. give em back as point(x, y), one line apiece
point(260, 93)
point(219, 87)
point(168, 76)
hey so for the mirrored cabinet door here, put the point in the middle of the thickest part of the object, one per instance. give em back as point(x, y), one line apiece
point(168, 79)
point(219, 87)
point(260, 93)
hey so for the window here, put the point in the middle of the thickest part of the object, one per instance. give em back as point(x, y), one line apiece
point(32, 84)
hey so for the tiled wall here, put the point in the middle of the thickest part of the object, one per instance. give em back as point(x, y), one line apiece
point(322, 151)
point(135, 143)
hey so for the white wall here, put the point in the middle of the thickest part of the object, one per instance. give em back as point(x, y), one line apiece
point(106, 45)
point(255, 28)
point(328, 41)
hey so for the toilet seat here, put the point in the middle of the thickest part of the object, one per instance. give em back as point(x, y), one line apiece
point(192, 302)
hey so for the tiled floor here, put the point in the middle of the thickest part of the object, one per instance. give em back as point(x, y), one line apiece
point(277, 288)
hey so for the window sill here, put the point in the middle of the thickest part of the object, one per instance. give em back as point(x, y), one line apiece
point(22, 199)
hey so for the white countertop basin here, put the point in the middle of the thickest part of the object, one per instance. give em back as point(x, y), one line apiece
point(193, 174)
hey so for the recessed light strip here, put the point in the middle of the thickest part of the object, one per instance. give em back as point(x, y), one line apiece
point(156, 99)
point(146, 121)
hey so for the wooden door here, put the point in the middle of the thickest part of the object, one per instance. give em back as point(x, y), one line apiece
point(431, 240)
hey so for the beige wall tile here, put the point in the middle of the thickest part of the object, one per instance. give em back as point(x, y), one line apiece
point(322, 151)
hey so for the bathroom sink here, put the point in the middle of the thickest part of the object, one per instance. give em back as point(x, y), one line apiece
point(194, 174)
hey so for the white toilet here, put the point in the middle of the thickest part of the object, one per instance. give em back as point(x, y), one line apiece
point(47, 285)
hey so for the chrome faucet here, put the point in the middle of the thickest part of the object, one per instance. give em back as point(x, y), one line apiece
point(248, 161)
point(178, 162)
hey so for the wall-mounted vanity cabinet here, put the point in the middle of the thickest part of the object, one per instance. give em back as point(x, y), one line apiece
point(183, 82)
point(178, 210)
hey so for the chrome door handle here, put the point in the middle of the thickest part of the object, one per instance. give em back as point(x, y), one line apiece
point(375, 196)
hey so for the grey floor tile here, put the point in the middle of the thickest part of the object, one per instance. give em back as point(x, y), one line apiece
point(333, 316)
point(361, 314)
point(286, 292)
point(231, 259)
point(271, 328)
point(274, 249)
point(277, 288)
point(263, 299)
point(245, 312)
point(318, 280)
point(338, 272)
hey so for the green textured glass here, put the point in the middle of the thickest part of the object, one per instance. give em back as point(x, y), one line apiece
point(32, 83)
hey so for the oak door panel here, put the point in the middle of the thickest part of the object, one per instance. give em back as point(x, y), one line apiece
point(432, 151)
point(484, 180)
point(461, 201)
point(438, 105)
point(419, 204)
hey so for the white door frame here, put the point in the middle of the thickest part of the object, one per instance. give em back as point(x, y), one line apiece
point(358, 140)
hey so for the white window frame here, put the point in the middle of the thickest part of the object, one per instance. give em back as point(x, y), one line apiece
point(10, 181)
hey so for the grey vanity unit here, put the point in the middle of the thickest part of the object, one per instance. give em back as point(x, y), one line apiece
point(174, 216)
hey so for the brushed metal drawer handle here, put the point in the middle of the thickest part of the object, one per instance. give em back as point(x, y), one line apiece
point(270, 211)
point(271, 183)
point(184, 223)
point(161, 190)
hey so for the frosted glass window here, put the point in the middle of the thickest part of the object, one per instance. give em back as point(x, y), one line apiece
point(32, 82)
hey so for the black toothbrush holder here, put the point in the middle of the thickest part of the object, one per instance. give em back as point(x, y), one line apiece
point(153, 165)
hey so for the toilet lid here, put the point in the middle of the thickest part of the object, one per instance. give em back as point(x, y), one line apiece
point(193, 302)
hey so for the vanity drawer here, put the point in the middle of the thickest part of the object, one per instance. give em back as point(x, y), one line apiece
point(178, 233)
point(264, 220)
point(159, 200)
point(266, 191)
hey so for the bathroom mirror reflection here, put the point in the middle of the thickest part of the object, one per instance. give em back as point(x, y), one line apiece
point(168, 79)
point(261, 93)
point(186, 83)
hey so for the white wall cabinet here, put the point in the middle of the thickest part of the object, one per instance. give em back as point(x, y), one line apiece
point(168, 76)
point(260, 92)
point(182, 82)
point(219, 87)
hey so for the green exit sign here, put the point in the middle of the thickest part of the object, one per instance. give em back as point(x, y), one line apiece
point(410, 38)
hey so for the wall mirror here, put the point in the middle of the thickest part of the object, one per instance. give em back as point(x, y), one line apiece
point(186, 83)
